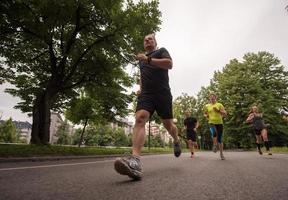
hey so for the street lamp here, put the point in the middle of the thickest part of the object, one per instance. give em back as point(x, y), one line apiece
point(149, 134)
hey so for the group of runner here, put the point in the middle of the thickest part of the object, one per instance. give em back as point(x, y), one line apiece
point(155, 95)
point(214, 112)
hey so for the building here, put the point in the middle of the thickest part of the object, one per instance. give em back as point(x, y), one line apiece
point(25, 129)
point(125, 124)
point(55, 123)
point(156, 129)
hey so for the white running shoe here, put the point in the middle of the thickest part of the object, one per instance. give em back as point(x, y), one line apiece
point(130, 166)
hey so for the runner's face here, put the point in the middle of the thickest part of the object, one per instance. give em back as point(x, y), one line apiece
point(213, 99)
point(149, 42)
point(187, 114)
point(254, 109)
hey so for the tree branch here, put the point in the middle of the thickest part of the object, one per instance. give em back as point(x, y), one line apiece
point(71, 40)
point(75, 65)
point(82, 80)
point(39, 55)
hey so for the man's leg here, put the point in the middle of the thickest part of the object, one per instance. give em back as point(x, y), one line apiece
point(190, 144)
point(219, 128)
point(194, 146)
point(131, 165)
point(194, 142)
point(173, 131)
point(221, 150)
point(142, 116)
point(213, 132)
point(171, 128)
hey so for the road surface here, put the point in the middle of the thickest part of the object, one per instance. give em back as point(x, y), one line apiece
point(243, 175)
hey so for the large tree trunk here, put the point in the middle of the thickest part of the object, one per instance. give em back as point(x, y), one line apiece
point(83, 131)
point(41, 120)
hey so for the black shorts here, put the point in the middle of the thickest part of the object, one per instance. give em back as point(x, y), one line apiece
point(162, 103)
point(191, 135)
point(257, 131)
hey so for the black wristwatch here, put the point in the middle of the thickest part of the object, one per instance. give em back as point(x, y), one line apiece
point(149, 60)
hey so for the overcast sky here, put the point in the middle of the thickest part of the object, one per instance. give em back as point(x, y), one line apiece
point(203, 36)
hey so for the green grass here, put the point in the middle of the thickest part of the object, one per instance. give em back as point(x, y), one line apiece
point(279, 149)
point(14, 150)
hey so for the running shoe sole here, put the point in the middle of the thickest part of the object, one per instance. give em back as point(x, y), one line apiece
point(177, 150)
point(123, 168)
point(260, 152)
point(215, 149)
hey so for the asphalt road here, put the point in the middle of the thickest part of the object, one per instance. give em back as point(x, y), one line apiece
point(243, 175)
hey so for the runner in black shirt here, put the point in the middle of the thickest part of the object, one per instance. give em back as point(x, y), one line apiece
point(154, 95)
point(191, 124)
point(260, 129)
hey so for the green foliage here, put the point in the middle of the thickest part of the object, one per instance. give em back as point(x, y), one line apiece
point(82, 109)
point(8, 132)
point(103, 135)
point(12, 150)
point(120, 138)
point(63, 134)
point(155, 118)
point(52, 48)
point(155, 141)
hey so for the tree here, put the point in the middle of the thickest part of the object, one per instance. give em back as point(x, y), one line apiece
point(120, 138)
point(8, 132)
point(63, 134)
point(51, 48)
point(155, 141)
point(82, 110)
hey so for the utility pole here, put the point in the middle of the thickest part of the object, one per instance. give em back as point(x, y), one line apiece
point(149, 134)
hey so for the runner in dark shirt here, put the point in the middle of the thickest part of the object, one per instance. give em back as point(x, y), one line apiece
point(154, 95)
point(191, 124)
point(260, 129)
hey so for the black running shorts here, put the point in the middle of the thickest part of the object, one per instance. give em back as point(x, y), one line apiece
point(257, 131)
point(191, 135)
point(161, 103)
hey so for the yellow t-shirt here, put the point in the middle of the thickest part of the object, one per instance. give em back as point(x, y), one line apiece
point(214, 116)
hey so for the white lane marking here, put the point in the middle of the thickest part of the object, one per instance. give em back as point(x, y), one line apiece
point(59, 165)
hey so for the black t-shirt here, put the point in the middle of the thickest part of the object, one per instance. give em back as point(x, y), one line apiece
point(190, 123)
point(153, 78)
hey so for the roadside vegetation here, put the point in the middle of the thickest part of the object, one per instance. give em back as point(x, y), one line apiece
point(23, 150)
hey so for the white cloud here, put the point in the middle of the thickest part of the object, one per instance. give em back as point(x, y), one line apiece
point(7, 102)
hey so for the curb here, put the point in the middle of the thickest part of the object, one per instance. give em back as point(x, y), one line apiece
point(53, 158)
point(57, 158)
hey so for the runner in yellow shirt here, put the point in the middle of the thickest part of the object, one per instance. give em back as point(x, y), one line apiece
point(214, 113)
